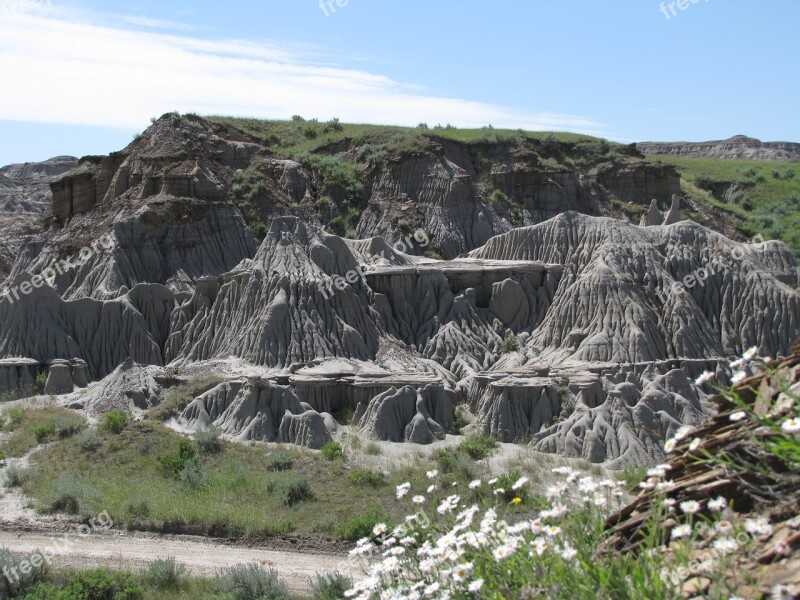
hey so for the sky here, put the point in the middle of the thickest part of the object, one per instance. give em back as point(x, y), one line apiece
point(84, 76)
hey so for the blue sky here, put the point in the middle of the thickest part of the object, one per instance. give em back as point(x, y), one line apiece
point(82, 76)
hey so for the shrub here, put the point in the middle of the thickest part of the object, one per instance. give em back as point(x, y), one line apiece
point(71, 496)
point(372, 449)
point(704, 182)
point(292, 490)
point(251, 582)
point(100, 584)
point(499, 197)
point(360, 526)
point(461, 418)
point(165, 574)
point(88, 440)
point(366, 478)
point(66, 427)
point(115, 421)
point(193, 476)
point(510, 343)
point(14, 586)
point(138, 508)
point(15, 476)
point(456, 463)
point(280, 461)
point(260, 231)
point(44, 431)
point(478, 447)
point(331, 586)
point(208, 440)
point(171, 465)
point(333, 450)
point(39, 383)
point(15, 417)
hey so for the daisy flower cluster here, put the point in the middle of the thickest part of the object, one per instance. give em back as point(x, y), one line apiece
point(467, 550)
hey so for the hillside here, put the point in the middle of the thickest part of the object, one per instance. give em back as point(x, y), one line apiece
point(742, 197)
point(380, 267)
point(739, 147)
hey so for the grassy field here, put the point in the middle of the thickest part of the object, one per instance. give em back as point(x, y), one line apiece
point(149, 477)
point(767, 199)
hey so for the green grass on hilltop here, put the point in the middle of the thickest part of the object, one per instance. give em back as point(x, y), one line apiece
point(289, 138)
point(767, 201)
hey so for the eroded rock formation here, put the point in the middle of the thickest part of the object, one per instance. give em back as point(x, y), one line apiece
point(580, 332)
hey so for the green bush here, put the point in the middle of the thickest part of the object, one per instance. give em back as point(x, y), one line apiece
point(704, 182)
point(71, 496)
point(372, 449)
point(291, 491)
point(16, 416)
point(280, 461)
point(478, 447)
point(208, 440)
point(43, 432)
point(164, 574)
point(100, 584)
point(88, 440)
point(171, 465)
point(15, 586)
point(260, 230)
point(66, 427)
point(192, 476)
point(39, 383)
point(138, 508)
point(333, 450)
point(510, 343)
point(15, 476)
point(360, 526)
point(366, 478)
point(331, 586)
point(115, 421)
point(251, 582)
point(455, 462)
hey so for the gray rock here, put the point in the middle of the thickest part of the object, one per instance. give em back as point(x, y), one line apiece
point(307, 429)
point(408, 415)
point(131, 387)
point(59, 379)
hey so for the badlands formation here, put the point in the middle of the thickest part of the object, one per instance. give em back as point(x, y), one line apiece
point(552, 324)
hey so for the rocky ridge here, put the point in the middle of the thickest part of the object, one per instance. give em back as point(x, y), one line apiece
point(738, 147)
point(579, 333)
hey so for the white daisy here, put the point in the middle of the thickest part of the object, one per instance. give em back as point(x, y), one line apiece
point(791, 426)
point(690, 507)
point(681, 531)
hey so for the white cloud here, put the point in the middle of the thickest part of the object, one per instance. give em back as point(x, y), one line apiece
point(63, 68)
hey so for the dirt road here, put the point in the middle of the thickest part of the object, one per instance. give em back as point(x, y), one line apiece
point(125, 550)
